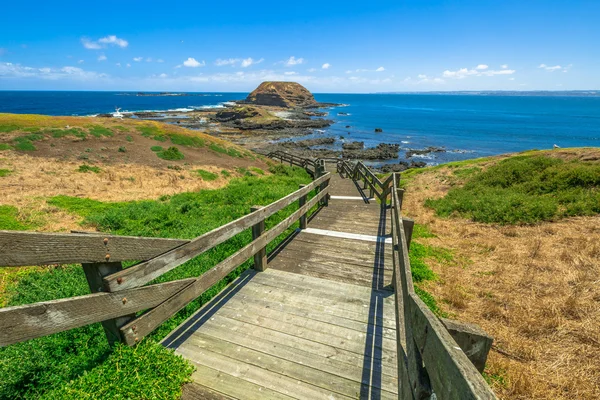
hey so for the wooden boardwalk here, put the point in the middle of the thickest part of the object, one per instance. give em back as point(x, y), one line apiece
point(319, 323)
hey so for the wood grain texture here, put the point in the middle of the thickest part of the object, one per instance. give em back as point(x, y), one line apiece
point(33, 248)
point(26, 322)
point(145, 272)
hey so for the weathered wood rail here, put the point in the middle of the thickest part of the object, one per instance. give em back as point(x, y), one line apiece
point(117, 294)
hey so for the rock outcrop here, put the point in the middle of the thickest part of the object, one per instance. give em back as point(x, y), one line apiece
point(282, 94)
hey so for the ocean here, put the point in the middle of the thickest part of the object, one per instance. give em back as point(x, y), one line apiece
point(466, 125)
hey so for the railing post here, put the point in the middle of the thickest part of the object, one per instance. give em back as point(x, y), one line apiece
point(408, 225)
point(94, 272)
point(260, 258)
point(400, 197)
point(371, 190)
point(301, 202)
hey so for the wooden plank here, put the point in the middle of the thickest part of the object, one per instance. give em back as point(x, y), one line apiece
point(232, 386)
point(149, 321)
point(145, 272)
point(325, 256)
point(194, 391)
point(262, 377)
point(330, 382)
point(348, 370)
point(36, 248)
point(29, 321)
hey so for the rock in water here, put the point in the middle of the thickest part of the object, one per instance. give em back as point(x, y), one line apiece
point(282, 94)
point(378, 130)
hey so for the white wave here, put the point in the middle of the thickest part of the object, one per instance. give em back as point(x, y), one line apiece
point(181, 109)
point(424, 156)
point(405, 141)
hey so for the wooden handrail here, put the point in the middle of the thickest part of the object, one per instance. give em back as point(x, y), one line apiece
point(116, 293)
point(145, 272)
point(429, 359)
point(38, 248)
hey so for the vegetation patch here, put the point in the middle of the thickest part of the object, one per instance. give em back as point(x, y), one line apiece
point(7, 128)
point(226, 173)
point(88, 168)
point(59, 133)
point(153, 132)
point(257, 170)
point(156, 148)
point(9, 219)
point(172, 153)
point(222, 150)
point(25, 143)
point(5, 146)
point(525, 190)
point(187, 140)
point(4, 172)
point(78, 363)
point(206, 175)
point(99, 131)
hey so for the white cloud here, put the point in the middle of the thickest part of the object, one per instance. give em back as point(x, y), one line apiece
point(504, 66)
point(422, 78)
point(481, 67)
point(312, 70)
point(118, 65)
point(511, 79)
point(9, 70)
point(555, 67)
point(246, 62)
point(149, 59)
point(326, 66)
point(80, 62)
point(101, 57)
point(349, 71)
point(293, 61)
point(229, 61)
point(163, 75)
point(192, 63)
point(101, 43)
point(380, 69)
point(138, 59)
point(465, 72)
point(113, 40)
point(160, 60)
point(128, 65)
point(290, 73)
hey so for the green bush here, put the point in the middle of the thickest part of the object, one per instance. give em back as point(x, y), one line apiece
point(156, 148)
point(187, 140)
point(99, 131)
point(122, 149)
point(525, 190)
point(5, 146)
point(25, 143)
point(226, 173)
point(172, 153)
point(206, 175)
point(4, 172)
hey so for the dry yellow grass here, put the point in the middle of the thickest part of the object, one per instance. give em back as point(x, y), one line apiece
point(536, 289)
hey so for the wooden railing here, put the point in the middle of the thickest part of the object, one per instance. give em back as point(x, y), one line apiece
point(429, 359)
point(117, 293)
point(314, 167)
point(359, 171)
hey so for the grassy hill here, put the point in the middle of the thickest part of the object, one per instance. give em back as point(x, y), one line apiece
point(523, 231)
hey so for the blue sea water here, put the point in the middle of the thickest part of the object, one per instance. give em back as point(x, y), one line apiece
point(466, 125)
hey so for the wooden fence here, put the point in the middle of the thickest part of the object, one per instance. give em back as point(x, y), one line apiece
point(118, 294)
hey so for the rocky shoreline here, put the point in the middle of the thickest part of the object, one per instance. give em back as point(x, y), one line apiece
point(277, 111)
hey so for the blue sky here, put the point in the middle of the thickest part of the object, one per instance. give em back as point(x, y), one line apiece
point(329, 46)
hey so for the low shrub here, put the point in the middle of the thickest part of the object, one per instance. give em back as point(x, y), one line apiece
point(206, 175)
point(172, 153)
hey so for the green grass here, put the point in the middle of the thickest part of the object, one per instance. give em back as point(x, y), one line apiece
point(25, 143)
point(67, 132)
point(419, 254)
point(122, 149)
point(9, 220)
point(206, 175)
point(5, 146)
point(8, 128)
point(525, 189)
point(222, 150)
point(187, 140)
point(129, 138)
point(78, 363)
point(88, 168)
point(257, 171)
point(172, 153)
point(99, 131)
point(226, 173)
point(152, 132)
point(4, 172)
point(156, 148)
